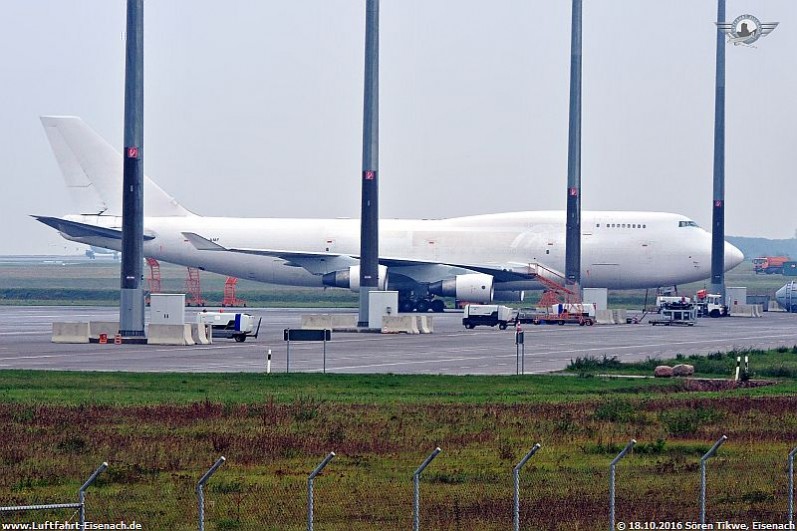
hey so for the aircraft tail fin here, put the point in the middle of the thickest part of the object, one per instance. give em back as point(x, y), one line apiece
point(92, 169)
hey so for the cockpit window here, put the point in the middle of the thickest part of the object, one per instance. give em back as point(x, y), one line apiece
point(687, 224)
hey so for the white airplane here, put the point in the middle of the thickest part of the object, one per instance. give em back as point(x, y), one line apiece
point(474, 258)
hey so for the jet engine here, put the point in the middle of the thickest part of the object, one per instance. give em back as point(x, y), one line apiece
point(472, 287)
point(350, 278)
point(509, 296)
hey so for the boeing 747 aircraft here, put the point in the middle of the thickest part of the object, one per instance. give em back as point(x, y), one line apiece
point(474, 258)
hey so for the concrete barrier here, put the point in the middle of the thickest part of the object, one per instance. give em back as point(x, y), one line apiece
point(425, 325)
point(70, 333)
point(164, 334)
point(109, 328)
point(604, 317)
point(397, 324)
point(330, 321)
point(201, 334)
point(620, 316)
point(758, 310)
point(745, 310)
point(775, 307)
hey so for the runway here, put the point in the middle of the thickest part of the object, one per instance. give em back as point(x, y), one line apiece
point(25, 334)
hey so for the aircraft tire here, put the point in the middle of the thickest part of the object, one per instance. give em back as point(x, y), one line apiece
point(438, 306)
point(422, 306)
point(406, 306)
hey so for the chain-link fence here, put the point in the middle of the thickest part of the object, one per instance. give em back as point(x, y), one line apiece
point(462, 488)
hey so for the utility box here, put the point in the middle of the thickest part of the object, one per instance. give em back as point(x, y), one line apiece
point(381, 303)
point(735, 297)
point(167, 308)
point(597, 296)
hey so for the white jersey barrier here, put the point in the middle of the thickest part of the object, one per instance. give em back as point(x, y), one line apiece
point(425, 325)
point(201, 334)
point(70, 333)
point(109, 328)
point(169, 334)
point(746, 310)
point(604, 317)
point(397, 324)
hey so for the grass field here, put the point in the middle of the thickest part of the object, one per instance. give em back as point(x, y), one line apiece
point(160, 432)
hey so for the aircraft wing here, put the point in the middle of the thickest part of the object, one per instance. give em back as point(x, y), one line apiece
point(315, 263)
point(319, 263)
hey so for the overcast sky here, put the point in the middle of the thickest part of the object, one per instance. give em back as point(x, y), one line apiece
point(254, 108)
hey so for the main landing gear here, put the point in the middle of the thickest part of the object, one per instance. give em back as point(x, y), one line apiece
point(422, 305)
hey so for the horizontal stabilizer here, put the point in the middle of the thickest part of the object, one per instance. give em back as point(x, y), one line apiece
point(202, 244)
point(82, 230)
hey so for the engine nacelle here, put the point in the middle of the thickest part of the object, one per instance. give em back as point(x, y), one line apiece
point(509, 296)
point(350, 278)
point(473, 287)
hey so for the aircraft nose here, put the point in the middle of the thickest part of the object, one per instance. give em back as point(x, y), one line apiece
point(733, 256)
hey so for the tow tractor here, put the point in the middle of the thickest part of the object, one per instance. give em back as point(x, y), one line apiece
point(487, 315)
point(229, 325)
point(710, 305)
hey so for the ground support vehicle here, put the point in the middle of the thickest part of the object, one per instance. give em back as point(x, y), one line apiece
point(676, 314)
point(487, 315)
point(563, 319)
point(769, 265)
point(228, 325)
point(710, 305)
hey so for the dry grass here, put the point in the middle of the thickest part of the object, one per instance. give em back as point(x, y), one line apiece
point(158, 451)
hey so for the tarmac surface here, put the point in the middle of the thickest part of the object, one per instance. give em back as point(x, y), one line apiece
point(25, 334)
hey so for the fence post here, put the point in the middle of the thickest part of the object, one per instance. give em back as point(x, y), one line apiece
point(612, 466)
point(416, 478)
point(82, 493)
point(791, 485)
point(310, 479)
point(201, 495)
point(703, 460)
point(516, 477)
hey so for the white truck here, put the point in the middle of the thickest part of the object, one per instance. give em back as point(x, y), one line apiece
point(710, 305)
point(229, 325)
point(487, 315)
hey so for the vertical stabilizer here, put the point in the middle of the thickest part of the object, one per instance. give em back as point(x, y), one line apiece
point(92, 169)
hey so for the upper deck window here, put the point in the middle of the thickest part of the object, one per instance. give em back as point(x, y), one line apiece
point(687, 224)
